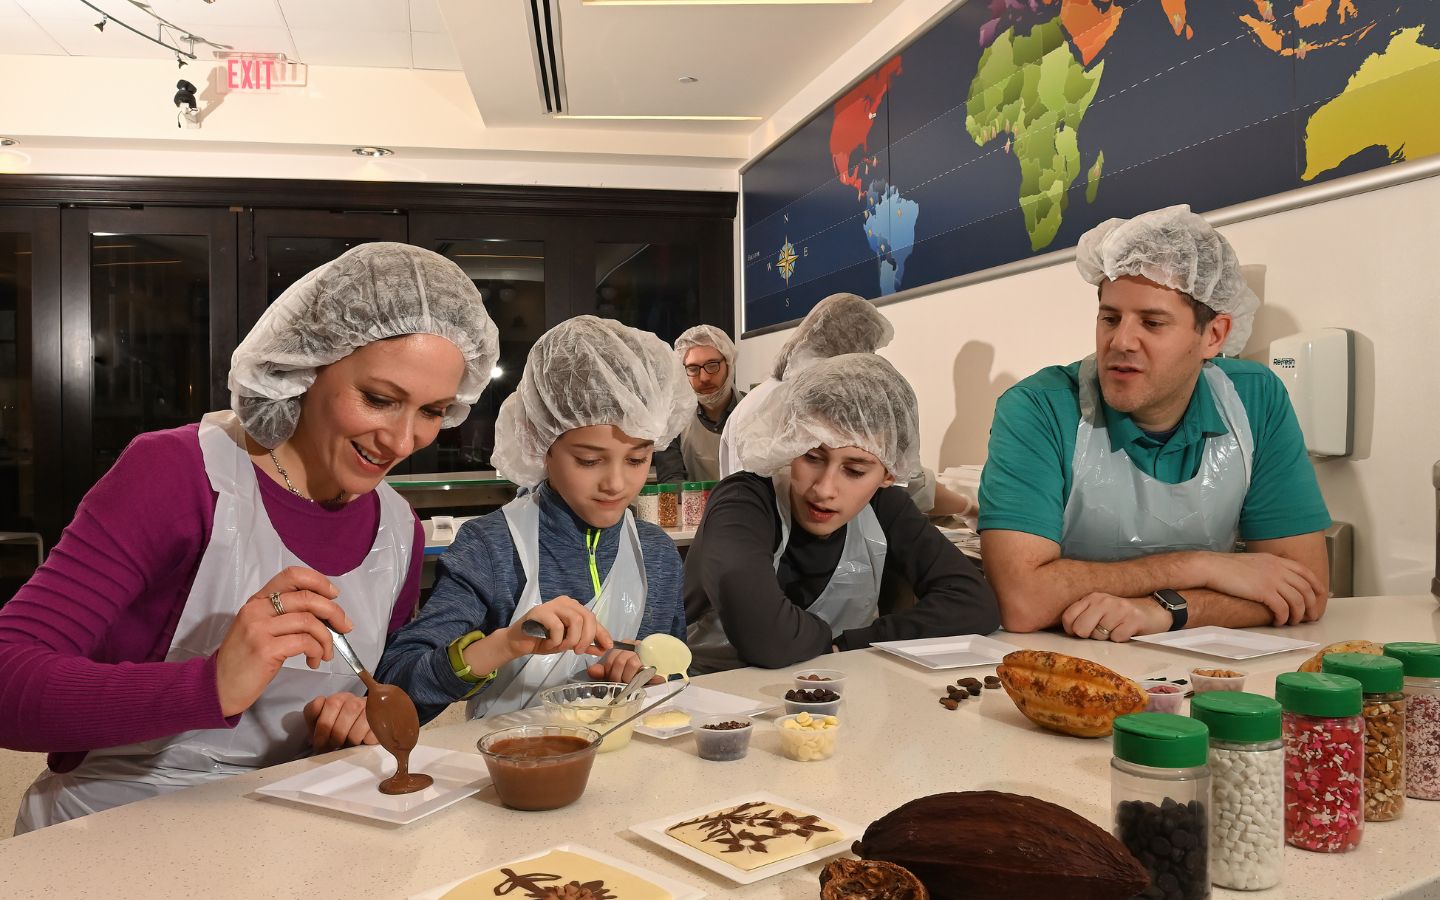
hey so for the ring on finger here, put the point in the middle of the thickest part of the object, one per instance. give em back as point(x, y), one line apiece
point(1102, 631)
point(275, 602)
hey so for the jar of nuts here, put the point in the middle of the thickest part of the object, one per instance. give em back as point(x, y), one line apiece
point(1324, 737)
point(1422, 717)
point(1382, 679)
point(1160, 786)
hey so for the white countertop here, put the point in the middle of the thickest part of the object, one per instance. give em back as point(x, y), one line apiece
point(897, 743)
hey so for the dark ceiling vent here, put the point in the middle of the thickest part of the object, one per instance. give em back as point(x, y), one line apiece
point(545, 49)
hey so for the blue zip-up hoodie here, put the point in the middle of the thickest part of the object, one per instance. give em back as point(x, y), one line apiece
point(478, 583)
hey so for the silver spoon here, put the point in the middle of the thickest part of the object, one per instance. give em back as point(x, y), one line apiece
point(643, 711)
point(534, 629)
point(641, 677)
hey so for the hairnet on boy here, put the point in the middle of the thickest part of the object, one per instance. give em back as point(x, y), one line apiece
point(841, 323)
point(854, 400)
point(369, 293)
point(590, 371)
point(1180, 250)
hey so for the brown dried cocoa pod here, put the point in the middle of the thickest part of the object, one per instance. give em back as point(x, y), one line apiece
point(1068, 694)
point(859, 879)
point(1003, 847)
point(1357, 646)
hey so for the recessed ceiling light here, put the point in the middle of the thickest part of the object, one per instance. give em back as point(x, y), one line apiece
point(374, 152)
point(688, 79)
point(8, 142)
point(663, 118)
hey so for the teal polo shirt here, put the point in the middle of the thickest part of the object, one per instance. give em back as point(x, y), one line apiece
point(1027, 477)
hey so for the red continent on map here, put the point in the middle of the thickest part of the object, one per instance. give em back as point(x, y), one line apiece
point(854, 114)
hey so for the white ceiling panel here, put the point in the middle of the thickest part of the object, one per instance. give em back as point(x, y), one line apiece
point(193, 14)
point(375, 49)
point(9, 9)
point(67, 9)
point(349, 15)
point(254, 40)
point(434, 51)
point(25, 38)
point(425, 16)
point(79, 38)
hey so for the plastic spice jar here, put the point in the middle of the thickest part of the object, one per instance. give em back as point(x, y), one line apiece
point(1382, 680)
point(696, 495)
point(1422, 717)
point(647, 505)
point(669, 503)
point(1324, 737)
point(1247, 768)
point(1160, 787)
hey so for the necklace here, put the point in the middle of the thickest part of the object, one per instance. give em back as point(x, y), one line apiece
point(286, 475)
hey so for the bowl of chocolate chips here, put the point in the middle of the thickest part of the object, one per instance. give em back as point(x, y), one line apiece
point(817, 701)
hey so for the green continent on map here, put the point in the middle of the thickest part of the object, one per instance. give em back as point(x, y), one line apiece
point(1388, 102)
point(1034, 89)
point(1092, 178)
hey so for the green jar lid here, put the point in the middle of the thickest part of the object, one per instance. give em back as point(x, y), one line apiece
point(668, 488)
point(1162, 740)
point(650, 490)
point(709, 485)
point(694, 485)
point(1420, 660)
point(1376, 674)
point(1237, 716)
point(1318, 694)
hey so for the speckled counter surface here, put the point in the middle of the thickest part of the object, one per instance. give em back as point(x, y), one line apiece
point(221, 840)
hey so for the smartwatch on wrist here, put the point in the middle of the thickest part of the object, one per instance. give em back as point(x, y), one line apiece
point(1175, 603)
point(461, 667)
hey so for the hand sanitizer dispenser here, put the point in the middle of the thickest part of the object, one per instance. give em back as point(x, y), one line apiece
point(1318, 368)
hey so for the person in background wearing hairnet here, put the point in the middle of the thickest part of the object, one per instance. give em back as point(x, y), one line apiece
point(596, 398)
point(791, 556)
point(708, 355)
point(841, 323)
point(176, 633)
point(1116, 486)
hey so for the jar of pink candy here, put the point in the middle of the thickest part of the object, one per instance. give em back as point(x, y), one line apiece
point(1422, 717)
point(1324, 736)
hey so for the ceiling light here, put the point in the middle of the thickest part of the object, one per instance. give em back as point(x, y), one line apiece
point(688, 79)
point(663, 118)
point(372, 152)
point(179, 61)
point(8, 142)
point(100, 25)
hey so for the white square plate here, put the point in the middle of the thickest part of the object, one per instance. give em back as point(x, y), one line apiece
point(350, 784)
point(698, 701)
point(1227, 643)
point(680, 891)
point(654, 831)
point(956, 652)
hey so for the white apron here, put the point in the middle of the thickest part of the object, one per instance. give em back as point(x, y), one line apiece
point(619, 606)
point(243, 554)
point(1116, 512)
point(851, 599)
point(700, 448)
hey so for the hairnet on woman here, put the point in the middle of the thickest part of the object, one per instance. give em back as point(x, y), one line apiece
point(192, 590)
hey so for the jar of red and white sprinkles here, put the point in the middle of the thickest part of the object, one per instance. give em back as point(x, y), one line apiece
point(1422, 717)
point(1324, 737)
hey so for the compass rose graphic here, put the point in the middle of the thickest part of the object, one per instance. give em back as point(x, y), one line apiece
point(786, 261)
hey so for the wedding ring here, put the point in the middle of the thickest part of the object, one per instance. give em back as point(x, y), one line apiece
point(1098, 629)
point(275, 602)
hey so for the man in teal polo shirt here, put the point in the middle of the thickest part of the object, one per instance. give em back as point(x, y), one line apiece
point(1117, 486)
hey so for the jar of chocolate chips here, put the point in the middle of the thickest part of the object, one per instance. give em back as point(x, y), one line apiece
point(1382, 681)
point(1160, 786)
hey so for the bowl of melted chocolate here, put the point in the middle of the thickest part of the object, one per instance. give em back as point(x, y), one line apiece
point(540, 766)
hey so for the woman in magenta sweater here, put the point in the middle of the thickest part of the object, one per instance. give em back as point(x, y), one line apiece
point(176, 633)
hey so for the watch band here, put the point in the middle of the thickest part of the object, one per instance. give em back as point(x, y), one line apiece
point(1173, 601)
point(461, 668)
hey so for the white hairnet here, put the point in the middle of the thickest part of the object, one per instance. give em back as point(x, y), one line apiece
point(709, 336)
point(367, 294)
point(1178, 249)
point(853, 400)
point(841, 323)
point(590, 371)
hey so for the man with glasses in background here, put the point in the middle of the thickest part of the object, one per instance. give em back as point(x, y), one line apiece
point(708, 355)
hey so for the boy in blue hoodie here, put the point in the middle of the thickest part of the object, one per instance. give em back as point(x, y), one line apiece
point(595, 400)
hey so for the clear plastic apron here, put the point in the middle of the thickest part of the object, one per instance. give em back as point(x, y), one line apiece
point(1115, 511)
point(700, 448)
point(243, 554)
point(850, 600)
point(619, 606)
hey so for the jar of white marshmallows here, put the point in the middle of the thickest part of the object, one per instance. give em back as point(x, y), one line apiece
point(1247, 765)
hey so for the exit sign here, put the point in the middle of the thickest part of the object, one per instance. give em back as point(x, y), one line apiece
point(260, 72)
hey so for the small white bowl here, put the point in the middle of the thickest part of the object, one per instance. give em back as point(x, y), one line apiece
point(833, 680)
point(1203, 682)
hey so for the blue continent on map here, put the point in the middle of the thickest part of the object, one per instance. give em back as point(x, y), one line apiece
point(890, 230)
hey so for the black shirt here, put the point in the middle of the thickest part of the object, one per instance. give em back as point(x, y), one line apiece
point(763, 611)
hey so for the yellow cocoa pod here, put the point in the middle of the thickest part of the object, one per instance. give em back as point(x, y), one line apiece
point(1313, 663)
point(1068, 694)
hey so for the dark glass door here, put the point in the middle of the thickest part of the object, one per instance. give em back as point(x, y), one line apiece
point(520, 265)
point(149, 323)
point(278, 246)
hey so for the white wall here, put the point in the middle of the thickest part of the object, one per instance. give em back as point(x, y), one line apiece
point(1365, 262)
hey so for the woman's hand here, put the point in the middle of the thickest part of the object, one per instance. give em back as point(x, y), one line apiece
point(337, 721)
point(620, 666)
point(260, 638)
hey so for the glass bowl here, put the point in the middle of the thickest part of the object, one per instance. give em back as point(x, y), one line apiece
point(588, 703)
point(539, 766)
